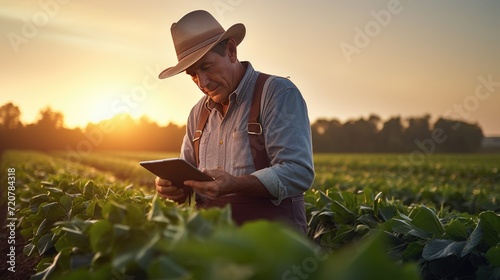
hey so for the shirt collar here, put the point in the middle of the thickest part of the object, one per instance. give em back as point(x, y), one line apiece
point(241, 90)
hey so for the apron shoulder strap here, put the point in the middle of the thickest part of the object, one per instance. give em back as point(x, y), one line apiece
point(202, 121)
point(255, 133)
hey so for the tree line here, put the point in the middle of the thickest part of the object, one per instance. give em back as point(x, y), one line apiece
point(122, 132)
point(396, 135)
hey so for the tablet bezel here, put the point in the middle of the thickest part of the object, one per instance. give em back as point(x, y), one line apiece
point(176, 170)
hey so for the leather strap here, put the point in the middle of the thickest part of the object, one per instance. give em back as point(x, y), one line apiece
point(255, 134)
point(202, 121)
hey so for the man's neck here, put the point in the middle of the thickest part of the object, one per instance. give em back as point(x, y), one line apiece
point(239, 72)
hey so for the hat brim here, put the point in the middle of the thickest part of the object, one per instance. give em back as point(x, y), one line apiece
point(236, 31)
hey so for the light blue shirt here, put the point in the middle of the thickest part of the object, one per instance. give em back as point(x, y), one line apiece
point(224, 143)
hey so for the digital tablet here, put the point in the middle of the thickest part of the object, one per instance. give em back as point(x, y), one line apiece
point(176, 170)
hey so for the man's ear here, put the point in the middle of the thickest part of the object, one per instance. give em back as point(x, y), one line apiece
point(231, 50)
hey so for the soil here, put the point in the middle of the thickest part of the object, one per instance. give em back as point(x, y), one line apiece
point(24, 265)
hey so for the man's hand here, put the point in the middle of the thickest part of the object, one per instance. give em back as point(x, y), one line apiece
point(226, 183)
point(223, 184)
point(166, 190)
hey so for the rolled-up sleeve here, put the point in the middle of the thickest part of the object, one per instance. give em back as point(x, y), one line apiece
point(287, 133)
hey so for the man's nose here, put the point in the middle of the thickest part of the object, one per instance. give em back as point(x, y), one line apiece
point(202, 80)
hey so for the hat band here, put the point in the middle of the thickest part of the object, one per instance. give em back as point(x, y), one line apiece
point(191, 50)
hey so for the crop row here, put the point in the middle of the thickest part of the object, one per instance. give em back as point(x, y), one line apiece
point(462, 183)
point(104, 231)
point(104, 228)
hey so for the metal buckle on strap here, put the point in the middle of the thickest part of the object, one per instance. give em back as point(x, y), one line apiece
point(197, 135)
point(258, 130)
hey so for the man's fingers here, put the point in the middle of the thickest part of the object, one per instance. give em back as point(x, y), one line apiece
point(214, 173)
point(206, 188)
point(162, 182)
point(170, 190)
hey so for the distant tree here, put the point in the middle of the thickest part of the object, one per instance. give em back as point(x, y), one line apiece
point(374, 120)
point(49, 119)
point(327, 136)
point(418, 128)
point(10, 116)
point(390, 137)
point(459, 136)
point(360, 135)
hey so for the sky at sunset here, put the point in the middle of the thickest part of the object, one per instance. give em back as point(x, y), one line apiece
point(93, 59)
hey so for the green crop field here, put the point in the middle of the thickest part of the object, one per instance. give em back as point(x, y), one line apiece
point(370, 216)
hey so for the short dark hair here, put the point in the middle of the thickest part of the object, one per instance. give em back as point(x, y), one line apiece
point(220, 48)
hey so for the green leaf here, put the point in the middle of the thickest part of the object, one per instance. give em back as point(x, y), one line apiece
point(156, 213)
point(442, 248)
point(135, 215)
point(101, 236)
point(90, 190)
point(44, 243)
point(121, 231)
point(425, 219)
point(413, 251)
point(42, 275)
point(146, 253)
point(78, 206)
point(350, 201)
point(341, 213)
point(114, 212)
point(66, 202)
point(493, 256)
point(43, 228)
point(91, 208)
point(473, 240)
point(456, 230)
point(53, 211)
point(63, 243)
point(388, 212)
point(127, 248)
point(490, 224)
point(76, 238)
point(323, 199)
point(405, 227)
point(368, 261)
point(55, 193)
point(78, 261)
point(29, 249)
point(376, 203)
point(165, 268)
point(344, 234)
point(37, 200)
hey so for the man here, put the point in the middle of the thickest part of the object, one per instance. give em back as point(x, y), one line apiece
point(259, 155)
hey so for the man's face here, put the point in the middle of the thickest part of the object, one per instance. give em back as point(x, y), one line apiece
point(214, 75)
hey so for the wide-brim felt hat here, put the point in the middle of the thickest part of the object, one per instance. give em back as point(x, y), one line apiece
point(194, 35)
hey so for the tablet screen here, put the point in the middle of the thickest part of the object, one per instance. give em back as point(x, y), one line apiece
point(176, 170)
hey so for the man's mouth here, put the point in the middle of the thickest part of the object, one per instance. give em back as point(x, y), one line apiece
point(210, 92)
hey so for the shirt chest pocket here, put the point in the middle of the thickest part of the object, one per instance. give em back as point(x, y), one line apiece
point(241, 156)
point(204, 150)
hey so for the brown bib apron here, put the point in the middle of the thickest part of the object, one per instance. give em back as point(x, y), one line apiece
point(290, 211)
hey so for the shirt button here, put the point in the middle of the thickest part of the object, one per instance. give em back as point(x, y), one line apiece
point(221, 141)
